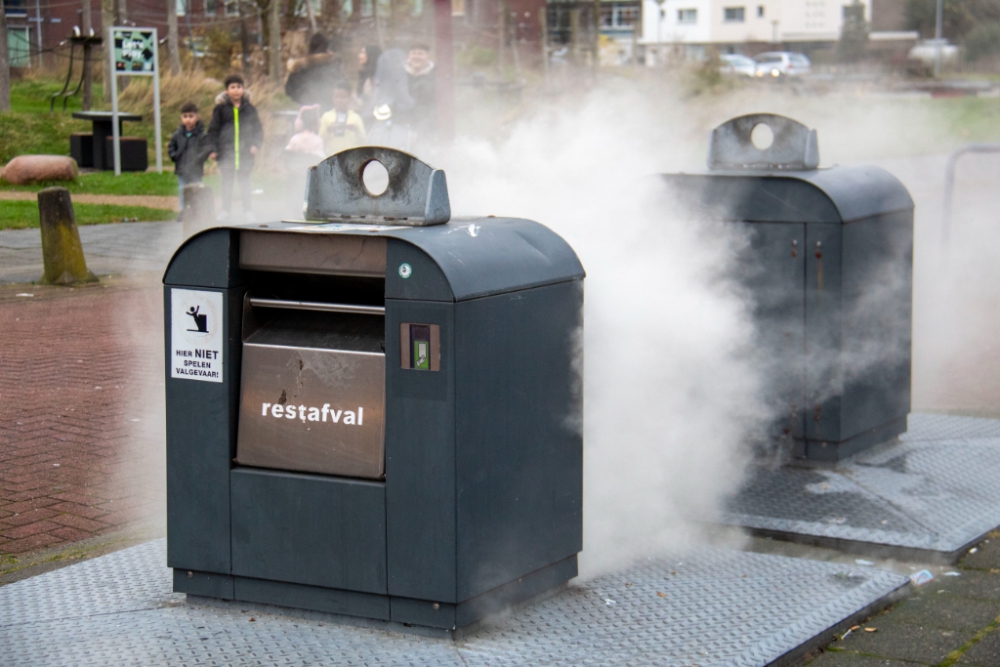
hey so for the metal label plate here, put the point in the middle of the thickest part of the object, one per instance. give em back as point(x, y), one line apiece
point(312, 410)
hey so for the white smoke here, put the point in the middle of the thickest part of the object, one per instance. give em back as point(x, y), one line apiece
point(671, 396)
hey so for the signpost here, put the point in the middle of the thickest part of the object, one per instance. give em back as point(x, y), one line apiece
point(133, 52)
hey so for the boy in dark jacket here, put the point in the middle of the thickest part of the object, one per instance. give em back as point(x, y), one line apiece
point(187, 149)
point(235, 135)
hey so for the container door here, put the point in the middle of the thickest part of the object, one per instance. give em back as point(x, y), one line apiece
point(776, 276)
point(824, 329)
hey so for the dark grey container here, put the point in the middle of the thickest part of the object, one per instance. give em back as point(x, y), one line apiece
point(829, 266)
point(480, 506)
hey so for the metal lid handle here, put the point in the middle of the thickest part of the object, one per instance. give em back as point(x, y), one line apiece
point(794, 147)
point(417, 194)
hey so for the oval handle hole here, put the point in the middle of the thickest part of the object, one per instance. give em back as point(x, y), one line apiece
point(375, 178)
point(762, 136)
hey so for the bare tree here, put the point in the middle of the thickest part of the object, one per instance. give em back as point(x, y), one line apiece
point(107, 20)
point(173, 38)
point(4, 63)
point(88, 55)
point(274, 39)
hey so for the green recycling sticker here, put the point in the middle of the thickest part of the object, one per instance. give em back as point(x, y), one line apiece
point(405, 270)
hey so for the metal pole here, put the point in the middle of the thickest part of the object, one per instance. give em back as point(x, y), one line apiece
point(543, 22)
point(38, 25)
point(156, 102)
point(115, 146)
point(938, 29)
point(445, 66)
point(949, 181)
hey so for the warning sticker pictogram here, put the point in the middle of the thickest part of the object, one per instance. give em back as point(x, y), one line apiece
point(196, 335)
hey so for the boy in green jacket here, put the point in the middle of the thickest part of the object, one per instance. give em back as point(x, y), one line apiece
point(235, 135)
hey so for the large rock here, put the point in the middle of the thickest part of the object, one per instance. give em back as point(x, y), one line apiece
point(26, 169)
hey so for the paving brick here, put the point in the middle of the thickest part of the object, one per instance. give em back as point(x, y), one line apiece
point(24, 518)
point(57, 349)
point(29, 529)
point(68, 534)
point(28, 544)
point(77, 510)
point(80, 523)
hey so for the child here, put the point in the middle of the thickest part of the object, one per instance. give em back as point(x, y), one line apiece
point(235, 135)
point(187, 150)
point(307, 140)
point(341, 128)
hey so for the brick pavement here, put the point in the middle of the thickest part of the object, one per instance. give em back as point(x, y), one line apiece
point(81, 447)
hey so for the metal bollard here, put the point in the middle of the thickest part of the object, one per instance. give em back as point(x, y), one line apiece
point(62, 251)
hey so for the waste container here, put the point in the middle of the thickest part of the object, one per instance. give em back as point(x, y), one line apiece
point(828, 267)
point(374, 413)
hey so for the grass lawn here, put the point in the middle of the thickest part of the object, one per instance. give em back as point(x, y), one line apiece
point(24, 214)
point(106, 183)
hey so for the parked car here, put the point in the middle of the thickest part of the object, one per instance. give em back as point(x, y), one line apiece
point(926, 51)
point(734, 63)
point(782, 63)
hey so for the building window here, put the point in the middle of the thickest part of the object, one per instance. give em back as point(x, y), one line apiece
point(733, 14)
point(15, 8)
point(760, 11)
point(619, 16)
point(232, 7)
point(211, 6)
point(181, 7)
point(688, 16)
point(458, 7)
point(18, 47)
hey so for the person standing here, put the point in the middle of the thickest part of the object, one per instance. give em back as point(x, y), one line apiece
point(187, 150)
point(421, 77)
point(311, 79)
point(367, 62)
point(341, 127)
point(393, 105)
point(235, 135)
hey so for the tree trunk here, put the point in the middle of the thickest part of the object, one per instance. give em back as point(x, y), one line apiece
point(244, 46)
point(173, 38)
point(312, 17)
point(88, 56)
point(274, 40)
point(107, 20)
point(4, 64)
point(62, 252)
point(121, 18)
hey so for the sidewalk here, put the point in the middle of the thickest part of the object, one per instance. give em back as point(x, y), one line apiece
point(81, 444)
point(110, 249)
point(151, 201)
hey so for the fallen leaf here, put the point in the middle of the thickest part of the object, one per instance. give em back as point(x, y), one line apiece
point(253, 620)
point(871, 629)
point(855, 627)
point(662, 595)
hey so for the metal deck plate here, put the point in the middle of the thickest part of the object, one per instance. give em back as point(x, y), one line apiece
point(934, 493)
point(717, 608)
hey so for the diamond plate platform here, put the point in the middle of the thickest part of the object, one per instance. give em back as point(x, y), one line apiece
point(711, 608)
point(927, 498)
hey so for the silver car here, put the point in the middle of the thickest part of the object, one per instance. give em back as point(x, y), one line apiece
point(782, 63)
point(734, 63)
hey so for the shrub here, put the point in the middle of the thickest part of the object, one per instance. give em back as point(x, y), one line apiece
point(983, 40)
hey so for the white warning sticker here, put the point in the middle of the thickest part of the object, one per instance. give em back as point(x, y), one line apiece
point(196, 335)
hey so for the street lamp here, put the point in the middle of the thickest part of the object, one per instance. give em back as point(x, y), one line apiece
point(937, 37)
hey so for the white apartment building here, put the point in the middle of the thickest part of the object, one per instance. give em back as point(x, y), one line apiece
point(731, 22)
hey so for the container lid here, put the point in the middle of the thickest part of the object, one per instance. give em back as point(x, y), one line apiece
point(781, 181)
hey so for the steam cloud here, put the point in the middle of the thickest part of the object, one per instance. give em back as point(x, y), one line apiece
point(671, 393)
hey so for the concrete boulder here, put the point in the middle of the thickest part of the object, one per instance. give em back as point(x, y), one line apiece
point(26, 169)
